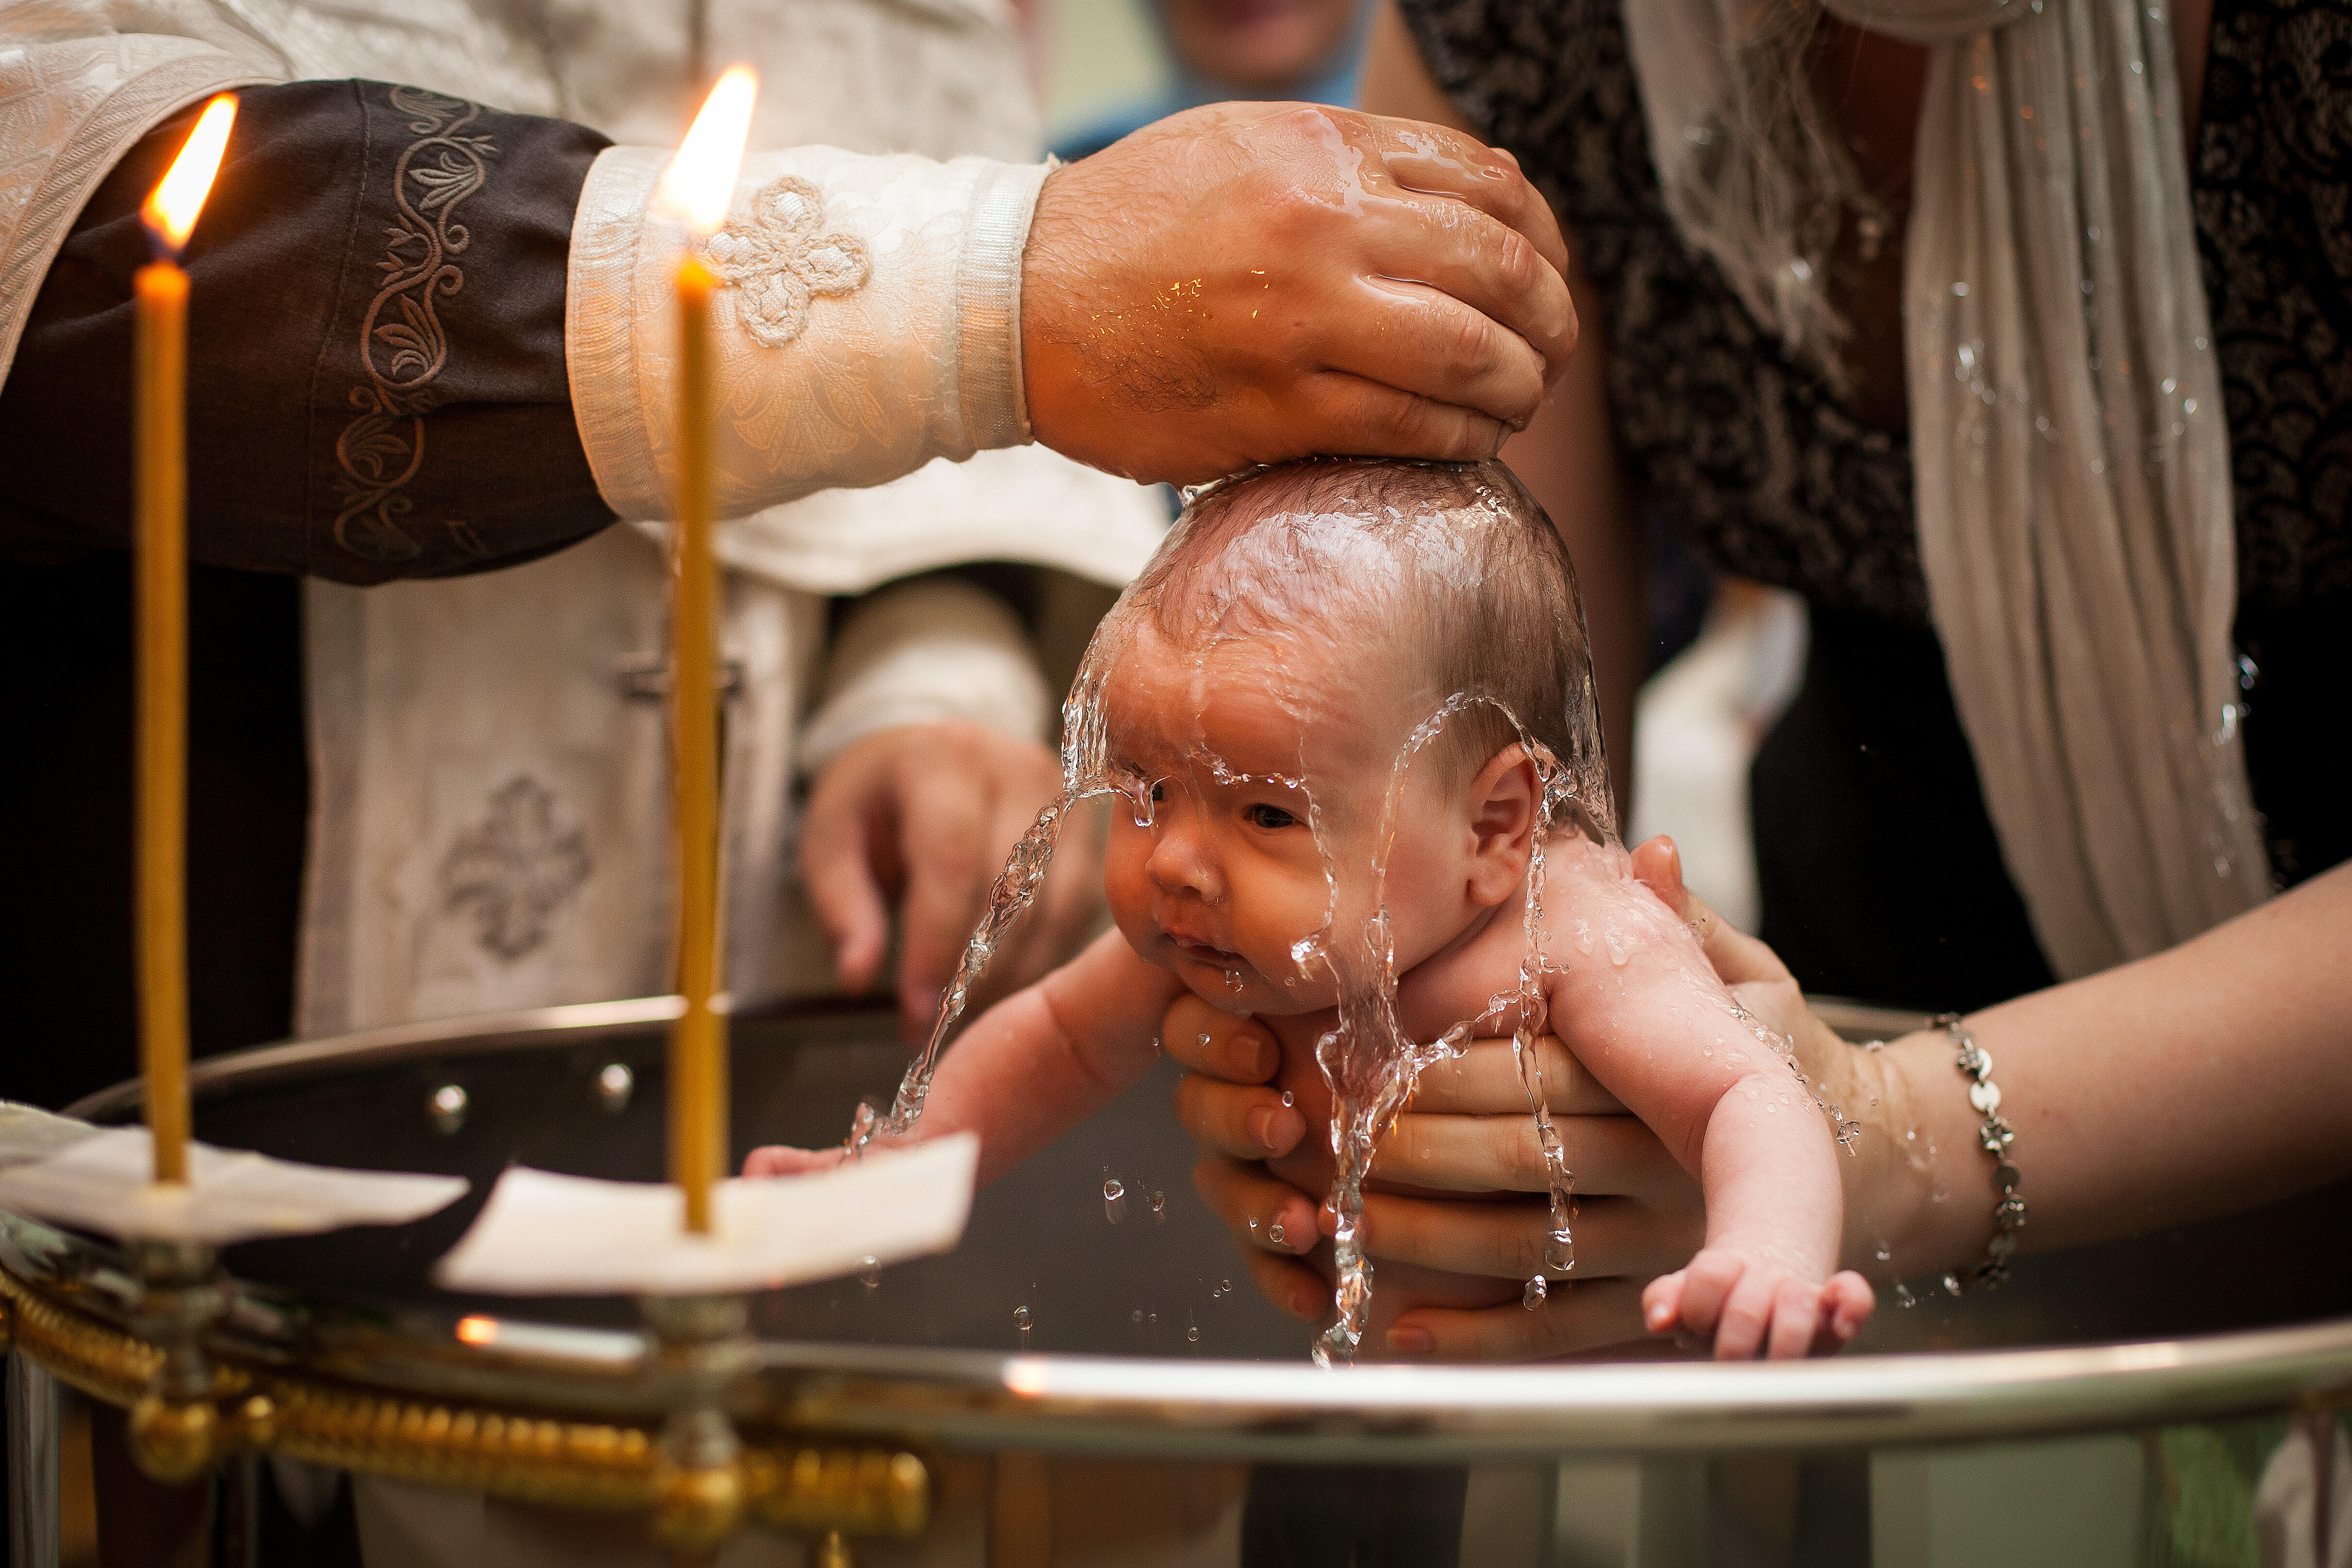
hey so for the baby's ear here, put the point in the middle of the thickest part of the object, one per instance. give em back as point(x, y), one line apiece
point(1502, 805)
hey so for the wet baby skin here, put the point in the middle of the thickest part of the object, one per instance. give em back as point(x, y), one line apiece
point(1255, 769)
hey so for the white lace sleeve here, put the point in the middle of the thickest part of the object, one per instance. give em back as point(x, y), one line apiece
point(870, 321)
point(921, 653)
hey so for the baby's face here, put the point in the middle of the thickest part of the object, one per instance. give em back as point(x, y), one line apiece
point(1225, 880)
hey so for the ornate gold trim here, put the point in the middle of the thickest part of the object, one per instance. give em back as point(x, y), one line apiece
point(804, 1489)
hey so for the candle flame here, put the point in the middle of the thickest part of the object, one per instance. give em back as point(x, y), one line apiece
point(701, 178)
point(171, 210)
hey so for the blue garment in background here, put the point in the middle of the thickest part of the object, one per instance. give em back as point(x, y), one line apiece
point(1337, 83)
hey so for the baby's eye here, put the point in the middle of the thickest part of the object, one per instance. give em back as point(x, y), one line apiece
point(1270, 817)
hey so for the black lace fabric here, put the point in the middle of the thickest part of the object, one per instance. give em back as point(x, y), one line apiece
point(1749, 451)
point(2273, 187)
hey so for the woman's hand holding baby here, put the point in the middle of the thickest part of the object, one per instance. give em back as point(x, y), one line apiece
point(1641, 1214)
point(1468, 1129)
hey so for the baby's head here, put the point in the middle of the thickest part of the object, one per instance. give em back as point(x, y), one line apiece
point(1264, 680)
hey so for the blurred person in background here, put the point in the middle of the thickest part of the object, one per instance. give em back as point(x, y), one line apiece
point(1310, 51)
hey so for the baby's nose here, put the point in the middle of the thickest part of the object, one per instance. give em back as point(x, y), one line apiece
point(1180, 863)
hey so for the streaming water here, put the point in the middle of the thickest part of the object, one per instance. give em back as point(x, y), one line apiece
point(1372, 1065)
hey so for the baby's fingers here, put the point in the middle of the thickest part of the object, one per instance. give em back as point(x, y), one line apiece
point(1742, 1331)
point(782, 1160)
point(1662, 1303)
point(1796, 1314)
point(1706, 1285)
point(1845, 1304)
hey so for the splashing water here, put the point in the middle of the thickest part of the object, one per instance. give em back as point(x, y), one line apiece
point(1084, 776)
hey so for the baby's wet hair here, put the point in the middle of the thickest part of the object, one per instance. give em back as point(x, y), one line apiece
point(1454, 566)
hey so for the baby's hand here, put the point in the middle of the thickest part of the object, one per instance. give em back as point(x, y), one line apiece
point(1755, 1306)
point(783, 1160)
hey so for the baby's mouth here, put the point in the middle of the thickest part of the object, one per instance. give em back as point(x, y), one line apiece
point(1202, 953)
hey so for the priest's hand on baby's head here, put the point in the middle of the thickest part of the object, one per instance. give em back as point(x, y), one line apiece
point(1247, 283)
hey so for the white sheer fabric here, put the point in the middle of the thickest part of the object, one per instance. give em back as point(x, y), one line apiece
point(2072, 459)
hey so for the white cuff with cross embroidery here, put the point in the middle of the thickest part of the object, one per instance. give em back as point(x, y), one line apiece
point(868, 321)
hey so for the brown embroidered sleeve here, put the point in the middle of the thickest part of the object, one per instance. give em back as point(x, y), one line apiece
point(377, 383)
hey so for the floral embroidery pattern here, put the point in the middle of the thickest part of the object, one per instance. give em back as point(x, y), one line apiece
point(403, 345)
point(515, 870)
point(778, 261)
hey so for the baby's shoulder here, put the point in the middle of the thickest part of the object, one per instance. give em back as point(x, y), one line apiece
point(1476, 983)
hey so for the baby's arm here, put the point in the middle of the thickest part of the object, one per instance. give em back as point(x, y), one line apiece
point(1661, 1032)
point(1035, 1064)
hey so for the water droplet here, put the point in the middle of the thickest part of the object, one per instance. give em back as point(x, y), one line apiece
point(1959, 291)
point(1204, 1040)
point(1904, 1298)
point(1135, 1318)
point(1225, 1285)
point(1114, 1201)
point(1021, 1318)
point(1160, 1206)
point(869, 1271)
point(614, 1083)
point(1274, 1233)
point(1288, 1098)
point(1193, 1333)
point(1533, 1296)
point(1884, 1255)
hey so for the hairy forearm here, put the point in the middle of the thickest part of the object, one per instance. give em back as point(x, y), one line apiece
point(2205, 1080)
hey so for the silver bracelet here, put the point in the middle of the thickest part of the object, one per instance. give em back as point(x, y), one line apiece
point(1975, 1063)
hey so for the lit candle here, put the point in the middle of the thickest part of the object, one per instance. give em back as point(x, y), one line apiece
point(159, 429)
point(696, 189)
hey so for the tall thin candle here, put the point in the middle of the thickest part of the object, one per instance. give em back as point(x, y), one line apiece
point(699, 186)
point(159, 432)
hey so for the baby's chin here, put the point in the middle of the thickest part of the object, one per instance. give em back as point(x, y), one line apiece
point(1248, 991)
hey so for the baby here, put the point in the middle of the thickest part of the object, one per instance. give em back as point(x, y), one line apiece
point(1339, 705)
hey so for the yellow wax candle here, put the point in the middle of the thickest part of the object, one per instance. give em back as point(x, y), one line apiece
point(698, 1101)
point(697, 188)
point(161, 573)
point(160, 375)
